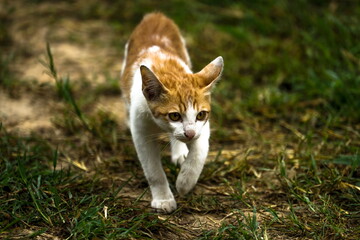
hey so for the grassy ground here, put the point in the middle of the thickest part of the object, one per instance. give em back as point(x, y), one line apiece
point(284, 160)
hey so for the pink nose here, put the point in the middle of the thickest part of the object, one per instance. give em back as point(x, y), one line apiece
point(189, 134)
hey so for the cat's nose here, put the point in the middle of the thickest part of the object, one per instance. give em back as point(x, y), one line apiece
point(189, 134)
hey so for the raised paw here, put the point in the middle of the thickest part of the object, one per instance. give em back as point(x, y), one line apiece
point(164, 205)
point(179, 152)
point(185, 183)
point(178, 159)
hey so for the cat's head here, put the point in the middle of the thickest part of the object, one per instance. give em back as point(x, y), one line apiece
point(180, 101)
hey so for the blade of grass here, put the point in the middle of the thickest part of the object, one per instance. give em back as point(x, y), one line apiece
point(29, 188)
point(64, 88)
point(38, 233)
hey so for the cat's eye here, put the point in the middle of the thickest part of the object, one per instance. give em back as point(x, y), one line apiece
point(174, 116)
point(201, 115)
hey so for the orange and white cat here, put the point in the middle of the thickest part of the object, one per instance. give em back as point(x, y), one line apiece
point(164, 95)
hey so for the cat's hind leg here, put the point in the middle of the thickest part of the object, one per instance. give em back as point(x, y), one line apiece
point(179, 151)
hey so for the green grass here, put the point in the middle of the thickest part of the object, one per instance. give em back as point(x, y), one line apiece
point(285, 142)
point(60, 202)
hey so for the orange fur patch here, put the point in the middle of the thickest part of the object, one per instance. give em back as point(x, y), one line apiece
point(168, 60)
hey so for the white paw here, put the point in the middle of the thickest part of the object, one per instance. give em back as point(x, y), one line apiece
point(164, 205)
point(179, 152)
point(178, 159)
point(185, 183)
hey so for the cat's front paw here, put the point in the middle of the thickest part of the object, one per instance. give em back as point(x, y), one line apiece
point(185, 183)
point(164, 205)
point(179, 152)
point(178, 159)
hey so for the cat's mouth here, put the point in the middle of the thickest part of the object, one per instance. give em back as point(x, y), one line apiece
point(187, 140)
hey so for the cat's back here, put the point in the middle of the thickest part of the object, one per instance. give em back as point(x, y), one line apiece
point(155, 29)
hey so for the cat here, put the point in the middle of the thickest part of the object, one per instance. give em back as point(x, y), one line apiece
point(162, 94)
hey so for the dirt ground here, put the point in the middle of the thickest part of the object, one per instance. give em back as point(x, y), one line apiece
point(74, 45)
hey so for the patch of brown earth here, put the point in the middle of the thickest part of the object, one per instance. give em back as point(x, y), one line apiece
point(76, 52)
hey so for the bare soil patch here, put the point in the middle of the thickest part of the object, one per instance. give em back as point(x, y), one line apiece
point(75, 47)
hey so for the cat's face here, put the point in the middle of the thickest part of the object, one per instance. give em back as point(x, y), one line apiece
point(184, 117)
point(180, 103)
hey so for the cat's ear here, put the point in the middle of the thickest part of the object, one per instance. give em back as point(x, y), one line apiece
point(210, 74)
point(151, 86)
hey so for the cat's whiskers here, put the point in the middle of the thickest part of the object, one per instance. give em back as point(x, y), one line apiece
point(166, 145)
point(153, 137)
point(172, 141)
point(157, 137)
